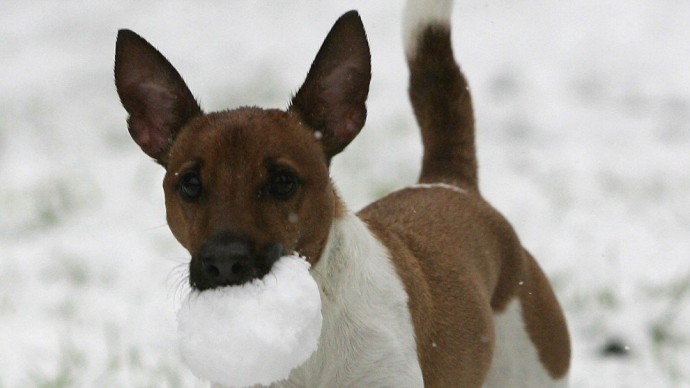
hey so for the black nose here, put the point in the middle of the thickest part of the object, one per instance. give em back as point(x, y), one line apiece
point(227, 260)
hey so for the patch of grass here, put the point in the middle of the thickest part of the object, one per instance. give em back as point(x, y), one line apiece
point(44, 205)
point(70, 363)
point(68, 269)
point(133, 366)
point(670, 340)
point(607, 299)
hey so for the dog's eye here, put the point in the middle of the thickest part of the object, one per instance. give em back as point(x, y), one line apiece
point(190, 186)
point(283, 184)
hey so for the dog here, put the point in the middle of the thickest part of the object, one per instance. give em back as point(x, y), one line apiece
point(428, 286)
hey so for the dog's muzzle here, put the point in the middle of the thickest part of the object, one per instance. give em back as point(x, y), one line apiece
point(228, 260)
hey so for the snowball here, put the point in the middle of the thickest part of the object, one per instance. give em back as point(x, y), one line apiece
point(254, 333)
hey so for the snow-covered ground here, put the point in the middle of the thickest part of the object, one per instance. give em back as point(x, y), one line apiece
point(583, 111)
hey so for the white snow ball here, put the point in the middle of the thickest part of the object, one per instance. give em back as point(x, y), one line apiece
point(254, 333)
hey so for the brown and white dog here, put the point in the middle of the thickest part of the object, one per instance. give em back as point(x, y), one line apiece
point(428, 286)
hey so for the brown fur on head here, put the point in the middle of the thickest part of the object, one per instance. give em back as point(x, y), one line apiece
point(238, 156)
point(259, 175)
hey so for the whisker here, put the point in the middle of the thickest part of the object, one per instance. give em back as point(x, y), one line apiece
point(178, 283)
point(177, 270)
point(182, 292)
point(156, 227)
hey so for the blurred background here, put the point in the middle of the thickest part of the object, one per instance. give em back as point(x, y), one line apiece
point(583, 114)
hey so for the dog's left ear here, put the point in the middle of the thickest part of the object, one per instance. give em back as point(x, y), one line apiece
point(332, 98)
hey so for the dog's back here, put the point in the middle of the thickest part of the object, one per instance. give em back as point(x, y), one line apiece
point(482, 309)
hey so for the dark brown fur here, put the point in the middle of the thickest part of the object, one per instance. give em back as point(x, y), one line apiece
point(233, 152)
point(461, 263)
point(442, 105)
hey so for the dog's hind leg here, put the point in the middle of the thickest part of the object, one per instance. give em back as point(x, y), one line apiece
point(440, 96)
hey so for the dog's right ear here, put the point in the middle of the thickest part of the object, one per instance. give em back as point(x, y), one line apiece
point(154, 94)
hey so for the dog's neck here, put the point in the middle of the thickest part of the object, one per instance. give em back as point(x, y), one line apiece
point(349, 243)
point(355, 274)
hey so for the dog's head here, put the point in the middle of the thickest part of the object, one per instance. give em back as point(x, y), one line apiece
point(245, 186)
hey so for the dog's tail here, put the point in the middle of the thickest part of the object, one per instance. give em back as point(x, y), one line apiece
point(440, 95)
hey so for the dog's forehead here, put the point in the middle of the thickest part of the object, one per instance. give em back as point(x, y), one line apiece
point(247, 136)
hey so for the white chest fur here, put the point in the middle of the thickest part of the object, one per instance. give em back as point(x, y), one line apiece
point(367, 338)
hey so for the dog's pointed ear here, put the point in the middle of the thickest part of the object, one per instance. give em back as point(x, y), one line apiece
point(332, 98)
point(154, 94)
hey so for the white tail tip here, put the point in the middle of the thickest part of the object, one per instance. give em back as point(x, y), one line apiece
point(418, 15)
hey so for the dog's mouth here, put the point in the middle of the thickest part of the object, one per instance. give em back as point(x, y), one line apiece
point(228, 261)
